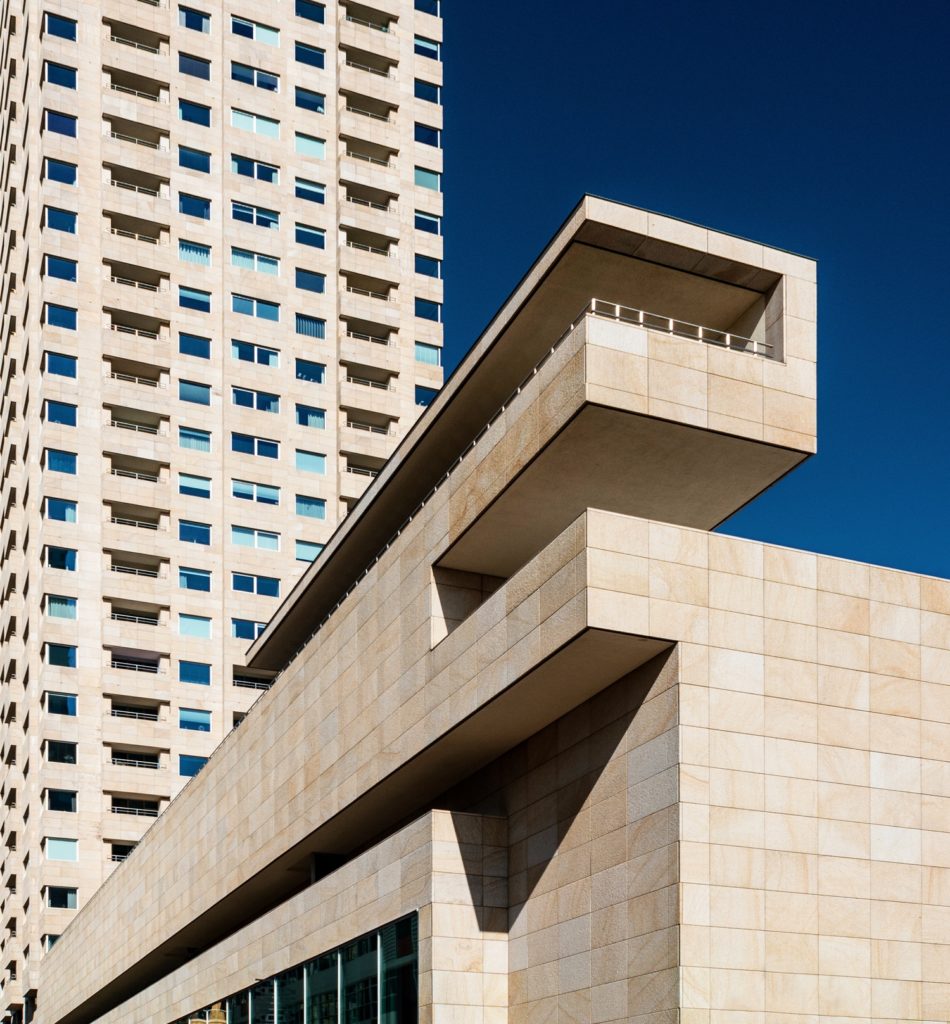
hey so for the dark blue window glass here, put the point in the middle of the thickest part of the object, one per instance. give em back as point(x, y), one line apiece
point(196, 672)
point(60, 267)
point(61, 124)
point(194, 159)
point(62, 366)
point(428, 266)
point(428, 91)
point(428, 6)
point(246, 629)
point(194, 113)
point(61, 462)
point(61, 412)
point(311, 55)
point(242, 27)
point(188, 17)
point(309, 100)
point(61, 558)
point(424, 395)
point(194, 66)
point(194, 298)
point(194, 345)
point(59, 74)
point(63, 655)
point(190, 764)
point(194, 206)
point(61, 171)
point(313, 372)
point(189, 391)
point(60, 316)
point(309, 10)
point(60, 220)
point(428, 222)
point(310, 281)
point(61, 704)
point(426, 309)
point(56, 25)
point(428, 48)
point(194, 579)
point(428, 135)
point(194, 533)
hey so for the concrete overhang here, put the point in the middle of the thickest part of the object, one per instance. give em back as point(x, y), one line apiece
point(604, 250)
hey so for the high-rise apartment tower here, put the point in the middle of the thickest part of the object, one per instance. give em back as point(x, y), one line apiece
point(221, 308)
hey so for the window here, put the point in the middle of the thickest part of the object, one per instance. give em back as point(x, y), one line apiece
point(194, 439)
point(428, 222)
point(61, 800)
point(57, 25)
point(428, 91)
point(263, 401)
point(194, 486)
point(60, 268)
point(309, 416)
point(428, 179)
point(311, 55)
point(309, 145)
point(257, 215)
point(312, 191)
point(59, 364)
point(428, 6)
point(428, 135)
point(60, 170)
point(424, 396)
point(194, 533)
point(310, 280)
point(307, 99)
point(255, 76)
point(426, 309)
point(61, 655)
point(256, 123)
point(194, 206)
point(60, 412)
point(59, 316)
point(248, 352)
point(263, 586)
point(198, 21)
point(310, 326)
point(247, 260)
point(194, 113)
point(60, 752)
point(245, 629)
point(190, 764)
point(61, 704)
point(255, 169)
point(198, 673)
point(59, 220)
point(194, 159)
point(60, 510)
point(247, 490)
point(60, 558)
point(197, 67)
point(260, 308)
point(309, 10)
point(313, 508)
point(194, 345)
point(194, 625)
point(59, 124)
point(62, 849)
point(192, 718)
point(246, 444)
point(194, 252)
point(247, 537)
point(313, 372)
point(61, 897)
point(306, 235)
point(59, 74)
point(189, 391)
point(310, 462)
point(255, 30)
point(194, 579)
point(429, 354)
point(428, 48)
point(428, 266)
point(194, 298)
point(307, 550)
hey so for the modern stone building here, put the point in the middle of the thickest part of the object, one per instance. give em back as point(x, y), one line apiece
point(542, 748)
point(221, 304)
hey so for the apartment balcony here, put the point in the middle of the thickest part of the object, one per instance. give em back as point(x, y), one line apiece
point(369, 163)
point(368, 71)
point(368, 252)
point(135, 45)
point(134, 720)
point(132, 623)
point(135, 384)
point(136, 432)
point(376, 394)
point(365, 201)
point(133, 767)
point(370, 26)
point(136, 674)
point(363, 117)
point(369, 342)
point(132, 142)
point(136, 192)
point(134, 276)
point(134, 480)
point(368, 433)
point(126, 86)
point(358, 471)
point(138, 526)
point(137, 336)
point(136, 240)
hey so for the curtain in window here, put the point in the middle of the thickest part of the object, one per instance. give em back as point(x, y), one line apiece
point(192, 252)
point(311, 326)
point(61, 607)
point(310, 417)
point(315, 508)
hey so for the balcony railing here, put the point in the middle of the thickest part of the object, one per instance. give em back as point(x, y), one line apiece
point(127, 665)
point(138, 620)
point(133, 762)
point(369, 113)
point(367, 383)
point(679, 328)
point(134, 92)
point(135, 45)
point(130, 282)
point(145, 716)
point(121, 137)
point(132, 474)
point(140, 428)
point(142, 812)
point(134, 188)
point(369, 294)
point(363, 247)
point(137, 331)
point(365, 67)
point(138, 237)
point(377, 25)
point(371, 428)
point(132, 379)
point(374, 338)
point(134, 570)
point(250, 683)
point(368, 202)
point(378, 161)
point(360, 471)
point(141, 524)
point(119, 857)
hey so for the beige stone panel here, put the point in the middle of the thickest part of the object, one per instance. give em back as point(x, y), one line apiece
point(791, 640)
point(791, 993)
point(791, 603)
point(794, 680)
point(735, 398)
point(935, 595)
point(843, 612)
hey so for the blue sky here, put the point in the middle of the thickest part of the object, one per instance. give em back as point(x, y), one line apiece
point(820, 128)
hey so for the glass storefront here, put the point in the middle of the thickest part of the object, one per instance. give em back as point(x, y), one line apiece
point(372, 980)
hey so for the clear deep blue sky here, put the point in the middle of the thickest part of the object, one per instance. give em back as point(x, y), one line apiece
point(816, 127)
